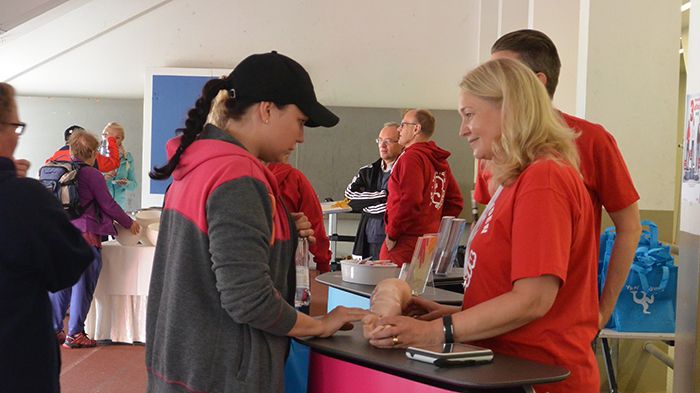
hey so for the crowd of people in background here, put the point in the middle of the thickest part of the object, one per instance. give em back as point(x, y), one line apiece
point(236, 209)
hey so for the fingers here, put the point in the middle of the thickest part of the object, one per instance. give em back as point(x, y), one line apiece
point(388, 342)
point(21, 167)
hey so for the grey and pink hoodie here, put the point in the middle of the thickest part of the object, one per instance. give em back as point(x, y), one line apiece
point(223, 277)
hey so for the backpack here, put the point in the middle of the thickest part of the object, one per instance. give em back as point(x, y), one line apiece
point(61, 179)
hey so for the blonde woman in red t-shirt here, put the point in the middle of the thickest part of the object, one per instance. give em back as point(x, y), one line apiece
point(530, 270)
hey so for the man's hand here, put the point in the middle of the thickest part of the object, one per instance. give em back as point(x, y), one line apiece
point(22, 166)
point(304, 227)
point(390, 244)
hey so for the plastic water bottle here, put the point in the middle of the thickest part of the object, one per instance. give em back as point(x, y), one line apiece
point(104, 146)
point(302, 295)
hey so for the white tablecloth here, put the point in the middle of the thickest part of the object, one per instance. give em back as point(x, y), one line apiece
point(118, 310)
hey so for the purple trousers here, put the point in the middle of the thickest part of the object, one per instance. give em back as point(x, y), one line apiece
point(79, 297)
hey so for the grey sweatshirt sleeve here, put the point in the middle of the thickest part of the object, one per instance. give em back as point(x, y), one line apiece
point(239, 216)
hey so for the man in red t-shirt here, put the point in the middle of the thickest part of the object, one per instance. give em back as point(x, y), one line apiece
point(422, 188)
point(605, 174)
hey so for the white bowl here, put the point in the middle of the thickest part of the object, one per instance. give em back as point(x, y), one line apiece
point(367, 274)
point(147, 217)
point(125, 237)
point(152, 232)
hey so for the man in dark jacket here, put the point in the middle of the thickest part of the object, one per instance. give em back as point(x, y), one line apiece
point(41, 252)
point(368, 191)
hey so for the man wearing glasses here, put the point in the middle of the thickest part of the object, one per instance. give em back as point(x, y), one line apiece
point(422, 188)
point(21, 165)
point(367, 193)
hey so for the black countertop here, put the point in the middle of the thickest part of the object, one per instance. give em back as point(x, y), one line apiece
point(504, 375)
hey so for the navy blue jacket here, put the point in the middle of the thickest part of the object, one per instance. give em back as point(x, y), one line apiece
point(40, 251)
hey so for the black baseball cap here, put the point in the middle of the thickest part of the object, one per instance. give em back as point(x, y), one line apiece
point(277, 78)
point(67, 133)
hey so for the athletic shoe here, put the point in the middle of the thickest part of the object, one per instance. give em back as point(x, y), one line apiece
point(79, 340)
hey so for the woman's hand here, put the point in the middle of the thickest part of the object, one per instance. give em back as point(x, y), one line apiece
point(121, 182)
point(427, 310)
point(135, 227)
point(402, 332)
point(339, 319)
point(304, 227)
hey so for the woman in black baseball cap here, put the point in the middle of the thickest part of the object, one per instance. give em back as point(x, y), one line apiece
point(220, 307)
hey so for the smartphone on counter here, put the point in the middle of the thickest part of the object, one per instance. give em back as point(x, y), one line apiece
point(450, 354)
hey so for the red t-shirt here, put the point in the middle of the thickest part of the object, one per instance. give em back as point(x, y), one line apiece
point(604, 171)
point(541, 225)
point(299, 196)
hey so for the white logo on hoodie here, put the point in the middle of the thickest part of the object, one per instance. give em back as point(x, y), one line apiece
point(437, 190)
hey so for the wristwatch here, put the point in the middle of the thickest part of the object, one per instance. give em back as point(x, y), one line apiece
point(448, 329)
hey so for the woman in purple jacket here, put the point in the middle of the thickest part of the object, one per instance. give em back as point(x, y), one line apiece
point(94, 223)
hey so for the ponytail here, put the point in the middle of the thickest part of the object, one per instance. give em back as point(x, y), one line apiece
point(196, 119)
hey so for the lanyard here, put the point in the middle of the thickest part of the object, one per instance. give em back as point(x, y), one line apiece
point(478, 225)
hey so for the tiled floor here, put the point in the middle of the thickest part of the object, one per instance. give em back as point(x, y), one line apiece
point(121, 368)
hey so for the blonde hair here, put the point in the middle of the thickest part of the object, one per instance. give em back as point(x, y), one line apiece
point(530, 127)
point(83, 145)
point(218, 114)
point(114, 125)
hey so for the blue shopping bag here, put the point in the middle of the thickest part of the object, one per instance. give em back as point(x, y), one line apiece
point(647, 302)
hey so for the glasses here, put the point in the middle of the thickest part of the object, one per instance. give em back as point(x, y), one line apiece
point(381, 141)
point(19, 127)
point(403, 123)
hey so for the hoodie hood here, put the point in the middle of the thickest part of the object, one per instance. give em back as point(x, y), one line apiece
point(431, 151)
point(211, 144)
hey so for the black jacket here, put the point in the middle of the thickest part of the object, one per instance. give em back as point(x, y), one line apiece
point(41, 251)
point(366, 196)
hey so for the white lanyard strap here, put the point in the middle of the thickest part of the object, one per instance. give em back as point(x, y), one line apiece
point(479, 223)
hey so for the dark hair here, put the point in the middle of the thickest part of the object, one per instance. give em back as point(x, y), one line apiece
point(536, 50)
point(197, 118)
point(7, 99)
point(70, 130)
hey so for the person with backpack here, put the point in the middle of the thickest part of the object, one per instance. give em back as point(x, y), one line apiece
point(105, 163)
point(41, 252)
point(100, 210)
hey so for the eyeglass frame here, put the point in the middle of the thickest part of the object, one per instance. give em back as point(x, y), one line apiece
point(18, 126)
point(403, 123)
point(380, 141)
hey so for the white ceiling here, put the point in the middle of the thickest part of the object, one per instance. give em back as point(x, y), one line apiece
point(388, 53)
point(16, 12)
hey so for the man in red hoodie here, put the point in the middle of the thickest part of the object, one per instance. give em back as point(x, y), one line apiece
point(105, 164)
point(422, 188)
point(299, 196)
